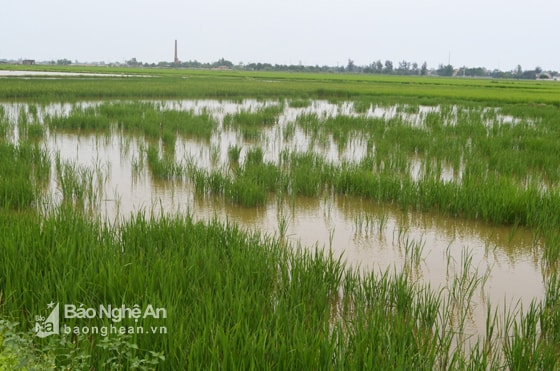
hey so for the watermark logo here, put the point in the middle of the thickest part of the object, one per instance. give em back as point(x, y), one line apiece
point(48, 326)
point(120, 320)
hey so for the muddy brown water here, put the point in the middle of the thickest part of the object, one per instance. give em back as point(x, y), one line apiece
point(369, 236)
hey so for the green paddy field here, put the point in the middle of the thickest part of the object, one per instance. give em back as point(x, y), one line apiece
point(280, 221)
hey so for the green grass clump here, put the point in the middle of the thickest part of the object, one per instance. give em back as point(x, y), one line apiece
point(188, 124)
point(234, 152)
point(35, 131)
point(246, 192)
point(362, 106)
point(162, 167)
point(80, 119)
point(262, 117)
point(5, 129)
point(254, 156)
point(299, 103)
point(23, 169)
point(150, 119)
point(233, 300)
point(307, 174)
point(251, 123)
point(247, 185)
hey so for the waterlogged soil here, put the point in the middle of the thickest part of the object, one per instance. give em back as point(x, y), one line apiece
point(367, 235)
point(51, 74)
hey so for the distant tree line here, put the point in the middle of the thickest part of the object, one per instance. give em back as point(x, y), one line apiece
point(402, 68)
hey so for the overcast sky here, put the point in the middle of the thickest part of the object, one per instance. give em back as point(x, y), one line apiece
point(476, 33)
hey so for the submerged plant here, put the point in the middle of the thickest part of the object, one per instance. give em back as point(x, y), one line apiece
point(234, 153)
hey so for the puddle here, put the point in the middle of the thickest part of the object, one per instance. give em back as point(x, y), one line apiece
point(27, 74)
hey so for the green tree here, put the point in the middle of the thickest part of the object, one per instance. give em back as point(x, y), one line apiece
point(518, 71)
point(404, 67)
point(222, 63)
point(424, 69)
point(445, 70)
point(351, 66)
point(388, 67)
point(538, 70)
point(133, 62)
point(64, 62)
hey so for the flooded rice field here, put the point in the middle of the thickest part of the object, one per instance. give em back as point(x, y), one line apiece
point(119, 175)
point(52, 74)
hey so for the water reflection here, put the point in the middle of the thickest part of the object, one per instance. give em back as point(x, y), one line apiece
point(369, 236)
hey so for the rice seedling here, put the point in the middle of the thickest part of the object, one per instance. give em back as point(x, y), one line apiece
point(462, 289)
point(299, 103)
point(262, 117)
point(238, 300)
point(147, 118)
point(171, 84)
point(250, 123)
point(137, 164)
point(382, 222)
point(331, 237)
point(162, 167)
point(289, 131)
point(226, 269)
point(254, 156)
point(24, 170)
point(307, 174)
point(214, 155)
point(80, 119)
point(362, 106)
point(412, 251)
point(31, 131)
point(5, 128)
point(309, 122)
point(523, 348)
point(245, 192)
point(79, 186)
point(190, 125)
point(283, 223)
point(234, 153)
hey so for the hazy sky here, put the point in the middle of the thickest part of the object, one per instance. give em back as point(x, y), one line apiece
point(476, 33)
